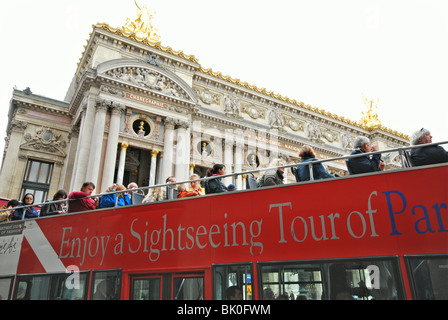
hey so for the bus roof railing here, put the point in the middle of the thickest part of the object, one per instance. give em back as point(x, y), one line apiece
point(401, 151)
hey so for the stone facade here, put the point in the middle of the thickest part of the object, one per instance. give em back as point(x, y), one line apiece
point(138, 111)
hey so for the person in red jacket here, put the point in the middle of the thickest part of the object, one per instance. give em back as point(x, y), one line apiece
point(79, 202)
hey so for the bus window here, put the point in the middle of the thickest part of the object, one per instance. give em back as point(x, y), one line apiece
point(364, 280)
point(33, 288)
point(146, 288)
point(226, 276)
point(5, 288)
point(188, 288)
point(106, 285)
point(291, 282)
point(51, 287)
point(63, 288)
point(429, 277)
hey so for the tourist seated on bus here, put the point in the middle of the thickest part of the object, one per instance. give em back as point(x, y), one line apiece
point(426, 154)
point(234, 293)
point(79, 202)
point(50, 209)
point(196, 185)
point(364, 164)
point(154, 194)
point(184, 193)
point(303, 173)
point(5, 216)
point(171, 190)
point(215, 185)
point(26, 213)
point(273, 176)
point(110, 200)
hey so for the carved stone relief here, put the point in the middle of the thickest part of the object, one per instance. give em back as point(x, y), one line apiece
point(232, 106)
point(207, 96)
point(149, 79)
point(45, 140)
point(314, 132)
point(253, 111)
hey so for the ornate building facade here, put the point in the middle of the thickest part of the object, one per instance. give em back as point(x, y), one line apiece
point(139, 111)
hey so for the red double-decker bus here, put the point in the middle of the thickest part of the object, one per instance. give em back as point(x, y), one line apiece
point(371, 236)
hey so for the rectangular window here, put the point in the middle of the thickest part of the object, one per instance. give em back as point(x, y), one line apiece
point(188, 288)
point(428, 276)
point(146, 288)
point(6, 288)
point(106, 285)
point(354, 279)
point(231, 276)
point(52, 287)
point(37, 180)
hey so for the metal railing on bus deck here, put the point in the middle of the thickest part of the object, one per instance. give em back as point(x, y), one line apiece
point(402, 152)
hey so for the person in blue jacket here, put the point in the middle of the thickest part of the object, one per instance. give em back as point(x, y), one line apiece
point(303, 172)
point(30, 212)
point(108, 200)
point(367, 163)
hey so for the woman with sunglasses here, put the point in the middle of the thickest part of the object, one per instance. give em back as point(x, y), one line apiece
point(30, 212)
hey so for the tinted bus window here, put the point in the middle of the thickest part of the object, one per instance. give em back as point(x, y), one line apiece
point(429, 277)
point(51, 287)
point(188, 288)
point(146, 289)
point(339, 280)
point(292, 282)
point(227, 276)
point(5, 288)
point(106, 285)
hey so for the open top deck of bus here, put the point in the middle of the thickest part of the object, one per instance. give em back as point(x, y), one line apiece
point(371, 236)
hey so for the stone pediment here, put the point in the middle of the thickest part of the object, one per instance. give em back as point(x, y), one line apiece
point(148, 75)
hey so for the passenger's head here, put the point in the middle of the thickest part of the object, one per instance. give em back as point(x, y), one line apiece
point(60, 195)
point(234, 293)
point(28, 199)
point(307, 152)
point(363, 143)
point(133, 185)
point(88, 187)
point(12, 203)
point(195, 184)
point(171, 179)
point(219, 169)
point(420, 137)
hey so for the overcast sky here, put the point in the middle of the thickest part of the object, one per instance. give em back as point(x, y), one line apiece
point(325, 53)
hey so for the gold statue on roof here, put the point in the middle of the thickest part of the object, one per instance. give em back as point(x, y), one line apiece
point(141, 27)
point(370, 117)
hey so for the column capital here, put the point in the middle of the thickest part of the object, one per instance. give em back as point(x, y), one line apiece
point(117, 108)
point(154, 153)
point(183, 125)
point(124, 146)
point(170, 123)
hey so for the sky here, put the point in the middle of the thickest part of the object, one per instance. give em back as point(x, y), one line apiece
point(325, 53)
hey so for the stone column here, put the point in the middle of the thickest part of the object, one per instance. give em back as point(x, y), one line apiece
point(238, 165)
point(228, 156)
point(167, 163)
point(122, 162)
point(152, 172)
point(183, 151)
point(84, 141)
point(94, 159)
point(112, 143)
point(10, 186)
point(192, 165)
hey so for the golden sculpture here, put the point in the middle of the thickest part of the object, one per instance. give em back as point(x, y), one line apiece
point(370, 117)
point(142, 27)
